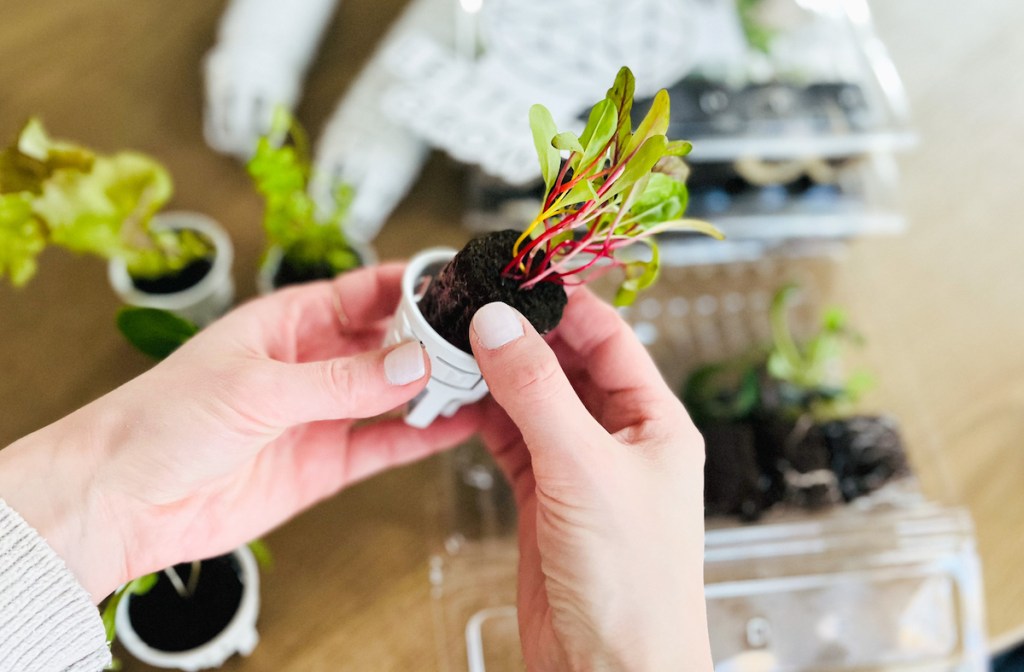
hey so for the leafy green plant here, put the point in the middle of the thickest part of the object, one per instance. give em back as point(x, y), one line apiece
point(617, 187)
point(809, 371)
point(801, 377)
point(281, 169)
point(57, 193)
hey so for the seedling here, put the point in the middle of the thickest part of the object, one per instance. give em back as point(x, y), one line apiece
point(778, 422)
point(615, 188)
point(57, 193)
point(314, 245)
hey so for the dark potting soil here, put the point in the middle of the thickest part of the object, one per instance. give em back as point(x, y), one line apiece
point(732, 479)
point(289, 273)
point(167, 622)
point(866, 451)
point(175, 282)
point(473, 279)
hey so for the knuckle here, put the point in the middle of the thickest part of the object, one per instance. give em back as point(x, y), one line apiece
point(336, 380)
point(536, 378)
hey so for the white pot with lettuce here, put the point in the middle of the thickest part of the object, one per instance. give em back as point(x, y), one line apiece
point(55, 193)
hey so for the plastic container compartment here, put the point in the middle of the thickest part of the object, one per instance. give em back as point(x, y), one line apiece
point(792, 141)
point(856, 588)
point(890, 581)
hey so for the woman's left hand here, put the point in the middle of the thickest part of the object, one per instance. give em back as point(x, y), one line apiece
point(251, 421)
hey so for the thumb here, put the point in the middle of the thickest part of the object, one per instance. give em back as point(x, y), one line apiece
point(361, 386)
point(525, 378)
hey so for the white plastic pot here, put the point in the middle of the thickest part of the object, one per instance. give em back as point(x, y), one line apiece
point(204, 301)
point(240, 636)
point(455, 378)
point(272, 261)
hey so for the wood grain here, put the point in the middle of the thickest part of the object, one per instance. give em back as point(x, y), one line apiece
point(943, 306)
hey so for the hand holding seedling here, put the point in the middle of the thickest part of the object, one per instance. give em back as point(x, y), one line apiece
point(249, 422)
point(607, 472)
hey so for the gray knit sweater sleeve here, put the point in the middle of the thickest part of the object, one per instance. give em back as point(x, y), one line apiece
point(47, 621)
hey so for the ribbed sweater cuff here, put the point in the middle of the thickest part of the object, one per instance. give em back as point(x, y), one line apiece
point(48, 622)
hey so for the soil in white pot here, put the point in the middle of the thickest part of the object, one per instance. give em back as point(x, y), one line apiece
point(166, 621)
point(474, 278)
point(178, 281)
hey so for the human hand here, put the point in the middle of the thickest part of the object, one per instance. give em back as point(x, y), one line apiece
point(249, 422)
point(607, 471)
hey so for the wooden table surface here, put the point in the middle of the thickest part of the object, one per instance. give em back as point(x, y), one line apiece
point(943, 306)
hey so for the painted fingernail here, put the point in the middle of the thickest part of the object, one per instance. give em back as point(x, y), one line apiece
point(405, 364)
point(497, 324)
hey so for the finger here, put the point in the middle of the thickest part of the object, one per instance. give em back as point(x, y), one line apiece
point(601, 341)
point(390, 443)
point(295, 317)
point(526, 380)
point(346, 387)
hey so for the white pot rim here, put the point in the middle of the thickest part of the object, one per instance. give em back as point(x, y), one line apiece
point(219, 273)
point(237, 637)
point(433, 341)
point(275, 253)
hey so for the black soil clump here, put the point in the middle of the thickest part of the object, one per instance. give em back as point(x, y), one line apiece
point(291, 273)
point(473, 279)
point(178, 281)
point(168, 622)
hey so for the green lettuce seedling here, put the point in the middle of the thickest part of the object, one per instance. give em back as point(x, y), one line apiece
point(281, 169)
point(57, 193)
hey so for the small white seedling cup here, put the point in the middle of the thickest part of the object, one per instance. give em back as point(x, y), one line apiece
point(204, 301)
point(455, 378)
point(272, 261)
point(240, 636)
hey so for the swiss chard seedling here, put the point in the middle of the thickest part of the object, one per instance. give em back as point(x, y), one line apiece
point(615, 187)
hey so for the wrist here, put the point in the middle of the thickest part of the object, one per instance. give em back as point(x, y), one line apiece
point(49, 478)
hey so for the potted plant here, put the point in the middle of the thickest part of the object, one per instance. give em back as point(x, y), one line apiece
point(615, 188)
point(57, 193)
point(194, 615)
point(778, 423)
point(304, 244)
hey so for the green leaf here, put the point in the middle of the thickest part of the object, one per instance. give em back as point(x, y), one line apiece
point(639, 276)
point(262, 553)
point(156, 333)
point(34, 157)
point(142, 585)
point(640, 164)
point(678, 148)
point(22, 238)
point(599, 130)
point(655, 123)
point(567, 140)
point(621, 95)
point(543, 127)
point(663, 199)
point(581, 192)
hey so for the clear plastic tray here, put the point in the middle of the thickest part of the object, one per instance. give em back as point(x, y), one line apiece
point(890, 581)
point(822, 84)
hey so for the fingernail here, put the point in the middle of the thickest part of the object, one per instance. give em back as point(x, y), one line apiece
point(497, 324)
point(405, 364)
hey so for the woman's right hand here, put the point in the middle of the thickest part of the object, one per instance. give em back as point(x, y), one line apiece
point(607, 470)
